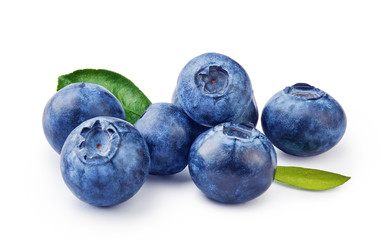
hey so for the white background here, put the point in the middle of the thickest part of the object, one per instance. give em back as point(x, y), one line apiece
point(334, 45)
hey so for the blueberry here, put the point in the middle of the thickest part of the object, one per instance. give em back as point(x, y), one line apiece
point(104, 161)
point(302, 120)
point(213, 88)
point(232, 163)
point(73, 105)
point(168, 133)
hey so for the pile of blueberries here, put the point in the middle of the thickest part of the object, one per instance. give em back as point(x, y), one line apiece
point(209, 127)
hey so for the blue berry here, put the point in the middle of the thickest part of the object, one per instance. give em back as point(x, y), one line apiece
point(104, 161)
point(213, 88)
point(302, 120)
point(168, 133)
point(232, 163)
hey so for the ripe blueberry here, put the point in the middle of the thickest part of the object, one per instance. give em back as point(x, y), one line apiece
point(232, 163)
point(104, 161)
point(213, 88)
point(168, 133)
point(303, 120)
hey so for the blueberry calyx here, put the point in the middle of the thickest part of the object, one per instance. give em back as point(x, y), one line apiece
point(213, 79)
point(305, 91)
point(238, 130)
point(98, 143)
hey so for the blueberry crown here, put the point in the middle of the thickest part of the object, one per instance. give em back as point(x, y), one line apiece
point(97, 143)
point(213, 80)
point(304, 90)
point(240, 131)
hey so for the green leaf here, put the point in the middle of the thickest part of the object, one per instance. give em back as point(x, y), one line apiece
point(307, 178)
point(132, 99)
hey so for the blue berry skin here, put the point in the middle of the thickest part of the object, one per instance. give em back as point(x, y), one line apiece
point(213, 88)
point(104, 161)
point(304, 121)
point(167, 131)
point(73, 105)
point(232, 163)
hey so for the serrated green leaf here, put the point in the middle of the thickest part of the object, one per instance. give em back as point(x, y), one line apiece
point(132, 99)
point(308, 178)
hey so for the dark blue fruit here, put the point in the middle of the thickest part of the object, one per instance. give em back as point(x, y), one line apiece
point(73, 105)
point(104, 161)
point(232, 163)
point(303, 120)
point(213, 88)
point(168, 133)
